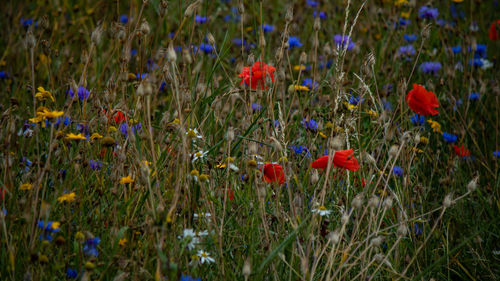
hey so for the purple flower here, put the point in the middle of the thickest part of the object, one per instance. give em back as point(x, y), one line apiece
point(355, 100)
point(82, 93)
point(90, 247)
point(199, 19)
point(308, 82)
point(256, 107)
point(449, 138)
point(267, 28)
point(406, 52)
point(418, 120)
point(312, 4)
point(474, 96)
point(398, 171)
point(342, 41)
point(430, 67)
point(124, 128)
point(310, 125)
point(426, 12)
point(321, 14)
point(456, 49)
point(95, 165)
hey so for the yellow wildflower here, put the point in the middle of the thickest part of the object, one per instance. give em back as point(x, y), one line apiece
point(146, 162)
point(43, 94)
point(230, 159)
point(68, 197)
point(322, 135)
point(112, 129)
point(436, 127)
point(301, 88)
point(126, 180)
point(220, 166)
point(95, 136)
point(349, 106)
point(50, 114)
point(299, 67)
point(56, 225)
point(372, 113)
point(399, 3)
point(26, 186)
point(122, 242)
point(195, 173)
point(458, 1)
point(424, 140)
point(417, 150)
point(72, 136)
point(405, 15)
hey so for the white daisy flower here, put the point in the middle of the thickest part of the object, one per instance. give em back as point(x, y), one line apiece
point(193, 133)
point(205, 257)
point(322, 211)
point(199, 155)
point(194, 240)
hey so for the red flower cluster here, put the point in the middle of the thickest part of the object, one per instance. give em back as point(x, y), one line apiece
point(343, 158)
point(273, 173)
point(422, 101)
point(256, 75)
point(118, 116)
point(493, 32)
point(461, 150)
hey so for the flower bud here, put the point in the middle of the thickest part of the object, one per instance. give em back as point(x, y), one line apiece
point(471, 187)
point(317, 24)
point(171, 55)
point(289, 14)
point(357, 201)
point(402, 230)
point(448, 200)
point(393, 151)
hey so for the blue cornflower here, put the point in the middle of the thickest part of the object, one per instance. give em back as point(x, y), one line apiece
point(418, 120)
point(312, 4)
point(426, 12)
point(480, 52)
point(95, 165)
point(441, 22)
point(328, 64)
point(387, 105)
point(47, 230)
point(474, 96)
point(28, 22)
point(267, 28)
point(356, 100)
point(277, 124)
point(406, 52)
point(71, 273)
point(456, 49)
point(233, 16)
point(189, 278)
point(449, 138)
point(65, 121)
point(308, 82)
point(90, 247)
point(476, 62)
point(140, 76)
point(124, 19)
point(294, 41)
point(82, 93)
point(256, 107)
point(417, 229)
point(206, 48)
point(199, 19)
point(458, 103)
point(238, 42)
point(133, 52)
point(3, 75)
point(404, 22)
point(310, 125)
point(124, 128)
point(342, 41)
point(430, 67)
point(410, 37)
point(496, 153)
point(398, 171)
point(455, 13)
point(320, 14)
point(300, 150)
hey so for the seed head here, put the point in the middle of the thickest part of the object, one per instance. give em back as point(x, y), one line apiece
point(472, 186)
point(448, 200)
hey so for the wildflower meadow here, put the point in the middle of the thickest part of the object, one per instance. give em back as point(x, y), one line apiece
point(249, 140)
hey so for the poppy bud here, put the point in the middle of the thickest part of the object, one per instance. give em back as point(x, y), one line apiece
point(357, 201)
point(289, 14)
point(402, 230)
point(373, 202)
point(472, 184)
point(393, 151)
point(317, 24)
point(171, 55)
point(448, 200)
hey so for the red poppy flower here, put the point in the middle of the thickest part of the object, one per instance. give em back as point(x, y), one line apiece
point(461, 150)
point(118, 116)
point(273, 173)
point(342, 158)
point(422, 101)
point(230, 194)
point(256, 75)
point(493, 32)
